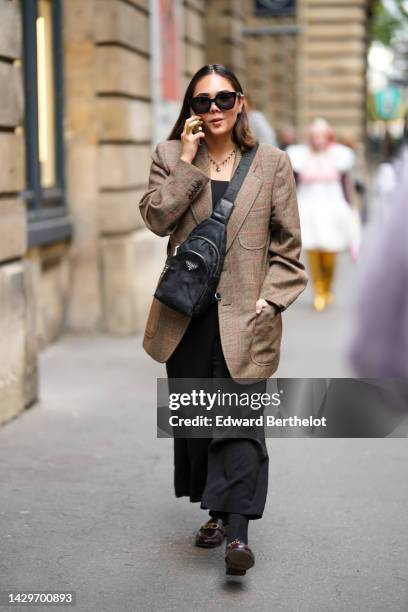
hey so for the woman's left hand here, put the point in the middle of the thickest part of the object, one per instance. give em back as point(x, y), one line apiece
point(260, 304)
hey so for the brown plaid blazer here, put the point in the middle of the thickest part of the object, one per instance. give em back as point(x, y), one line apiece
point(262, 257)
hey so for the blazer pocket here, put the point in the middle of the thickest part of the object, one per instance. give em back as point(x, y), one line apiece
point(267, 335)
point(254, 231)
point(153, 318)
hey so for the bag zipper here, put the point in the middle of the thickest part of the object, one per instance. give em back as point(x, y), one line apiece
point(206, 267)
point(202, 238)
point(215, 247)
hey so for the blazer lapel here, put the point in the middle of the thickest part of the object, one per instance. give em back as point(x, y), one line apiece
point(202, 207)
point(245, 199)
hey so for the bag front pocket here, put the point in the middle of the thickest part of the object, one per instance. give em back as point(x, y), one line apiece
point(183, 282)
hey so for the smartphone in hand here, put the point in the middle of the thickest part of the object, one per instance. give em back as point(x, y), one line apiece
point(197, 127)
point(199, 124)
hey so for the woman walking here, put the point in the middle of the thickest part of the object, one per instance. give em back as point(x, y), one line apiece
point(326, 216)
point(238, 336)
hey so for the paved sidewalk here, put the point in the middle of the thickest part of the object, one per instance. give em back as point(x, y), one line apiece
point(87, 503)
point(314, 344)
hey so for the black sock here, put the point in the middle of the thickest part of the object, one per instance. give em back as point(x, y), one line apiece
point(237, 528)
point(219, 515)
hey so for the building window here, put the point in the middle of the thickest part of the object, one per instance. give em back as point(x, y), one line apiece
point(46, 89)
point(48, 219)
point(271, 8)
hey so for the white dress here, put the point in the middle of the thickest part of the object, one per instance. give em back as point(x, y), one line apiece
point(326, 218)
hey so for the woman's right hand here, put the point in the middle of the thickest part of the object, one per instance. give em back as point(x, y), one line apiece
point(189, 140)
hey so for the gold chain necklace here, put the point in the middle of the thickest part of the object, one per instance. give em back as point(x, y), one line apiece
point(217, 165)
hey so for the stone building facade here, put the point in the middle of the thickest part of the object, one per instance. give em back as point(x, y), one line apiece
point(74, 253)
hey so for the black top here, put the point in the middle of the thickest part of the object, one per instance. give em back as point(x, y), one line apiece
point(218, 188)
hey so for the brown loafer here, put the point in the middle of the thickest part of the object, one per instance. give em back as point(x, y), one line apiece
point(238, 558)
point(211, 534)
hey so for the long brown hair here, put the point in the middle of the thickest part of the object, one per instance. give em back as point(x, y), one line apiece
point(242, 134)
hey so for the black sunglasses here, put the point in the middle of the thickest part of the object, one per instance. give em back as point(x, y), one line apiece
point(224, 100)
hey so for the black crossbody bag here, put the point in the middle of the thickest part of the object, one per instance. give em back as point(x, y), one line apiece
point(190, 276)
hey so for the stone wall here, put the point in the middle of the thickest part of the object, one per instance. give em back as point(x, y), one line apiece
point(18, 348)
point(271, 67)
point(50, 270)
point(332, 66)
point(130, 256)
point(224, 22)
point(81, 138)
point(194, 39)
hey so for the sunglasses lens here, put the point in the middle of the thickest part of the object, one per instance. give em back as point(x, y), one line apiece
point(200, 105)
point(225, 100)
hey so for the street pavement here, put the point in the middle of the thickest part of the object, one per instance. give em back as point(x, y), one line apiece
point(314, 344)
point(87, 502)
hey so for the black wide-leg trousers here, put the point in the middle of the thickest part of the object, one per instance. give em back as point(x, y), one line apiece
point(226, 474)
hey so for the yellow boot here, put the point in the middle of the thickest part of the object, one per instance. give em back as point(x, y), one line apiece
point(316, 268)
point(328, 267)
point(319, 302)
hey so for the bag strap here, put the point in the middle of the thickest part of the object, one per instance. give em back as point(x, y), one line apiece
point(223, 208)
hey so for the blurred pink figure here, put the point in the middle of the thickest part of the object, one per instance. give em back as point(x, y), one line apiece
point(328, 222)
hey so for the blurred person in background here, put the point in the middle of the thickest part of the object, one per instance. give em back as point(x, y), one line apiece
point(378, 349)
point(354, 182)
point(385, 181)
point(379, 346)
point(286, 136)
point(386, 178)
point(259, 124)
point(327, 220)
